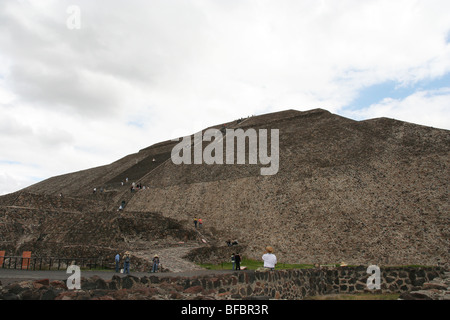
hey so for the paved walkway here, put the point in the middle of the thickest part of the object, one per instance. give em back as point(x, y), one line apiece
point(12, 275)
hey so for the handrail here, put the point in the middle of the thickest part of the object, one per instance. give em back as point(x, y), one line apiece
point(54, 263)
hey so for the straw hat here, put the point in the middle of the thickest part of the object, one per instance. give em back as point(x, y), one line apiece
point(269, 249)
point(343, 264)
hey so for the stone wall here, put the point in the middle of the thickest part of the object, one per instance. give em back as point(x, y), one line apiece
point(303, 283)
point(74, 234)
point(249, 285)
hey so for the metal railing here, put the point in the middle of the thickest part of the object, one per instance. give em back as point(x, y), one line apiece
point(54, 263)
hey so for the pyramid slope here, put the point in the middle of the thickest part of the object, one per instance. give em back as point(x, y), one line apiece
point(364, 192)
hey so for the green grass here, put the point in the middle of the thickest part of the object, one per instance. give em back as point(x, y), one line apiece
point(253, 265)
point(411, 266)
point(356, 296)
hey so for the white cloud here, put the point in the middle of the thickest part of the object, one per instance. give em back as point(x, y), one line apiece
point(12, 182)
point(432, 107)
point(139, 72)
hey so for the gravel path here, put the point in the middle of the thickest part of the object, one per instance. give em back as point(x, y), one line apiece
point(171, 258)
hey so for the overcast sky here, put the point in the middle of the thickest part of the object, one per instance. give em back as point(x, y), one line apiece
point(139, 72)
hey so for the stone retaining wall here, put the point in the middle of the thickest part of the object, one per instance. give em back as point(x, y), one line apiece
point(302, 283)
point(248, 285)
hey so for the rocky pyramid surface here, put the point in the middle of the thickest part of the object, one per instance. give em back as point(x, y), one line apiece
point(363, 192)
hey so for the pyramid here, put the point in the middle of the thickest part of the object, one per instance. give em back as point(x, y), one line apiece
point(364, 192)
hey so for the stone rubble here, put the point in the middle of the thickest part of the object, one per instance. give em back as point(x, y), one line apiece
point(436, 289)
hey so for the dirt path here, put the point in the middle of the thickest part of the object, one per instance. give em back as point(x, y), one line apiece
point(171, 258)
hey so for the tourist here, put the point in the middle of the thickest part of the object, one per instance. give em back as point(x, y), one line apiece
point(195, 222)
point(233, 261)
point(237, 261)
point(200, 222)
point(270, 260)
point(117, 259)
point(126, 264)
point(155, 263)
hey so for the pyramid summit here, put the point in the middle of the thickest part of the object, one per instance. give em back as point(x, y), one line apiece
point(364, 192)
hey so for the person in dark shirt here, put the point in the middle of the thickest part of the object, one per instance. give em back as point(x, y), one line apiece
point(237, 261)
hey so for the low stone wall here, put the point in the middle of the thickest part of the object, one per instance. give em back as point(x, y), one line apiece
point(248, 285)
point(303, 283)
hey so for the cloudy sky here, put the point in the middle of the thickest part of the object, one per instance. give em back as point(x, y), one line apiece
point(84, 83)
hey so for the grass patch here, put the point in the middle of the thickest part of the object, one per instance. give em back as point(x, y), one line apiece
point(251, 264)
point(357, 296)
point(410, 266)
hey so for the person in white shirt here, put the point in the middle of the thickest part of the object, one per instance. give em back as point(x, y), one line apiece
point(270, 260)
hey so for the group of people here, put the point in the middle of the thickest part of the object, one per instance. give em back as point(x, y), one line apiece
point(198, 222)
point(236, 261)
point(135, 186)
point(269, 258)
point(126, 263)
point(234, 243)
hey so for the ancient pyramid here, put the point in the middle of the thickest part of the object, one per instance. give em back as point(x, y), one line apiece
point(363, 192)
